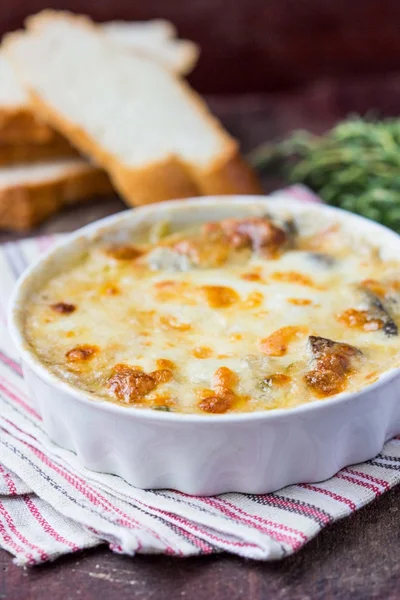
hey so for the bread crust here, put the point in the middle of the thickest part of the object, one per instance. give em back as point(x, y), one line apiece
point(25, 206)
point(231, 175)
point(11, 154)
point(20, 125)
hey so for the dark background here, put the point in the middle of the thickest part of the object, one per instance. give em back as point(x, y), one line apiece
point(259, 45)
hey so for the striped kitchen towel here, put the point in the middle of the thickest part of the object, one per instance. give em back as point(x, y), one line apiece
point(50, 505)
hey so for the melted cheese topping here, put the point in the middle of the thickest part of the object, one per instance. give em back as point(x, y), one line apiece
point(231, 317)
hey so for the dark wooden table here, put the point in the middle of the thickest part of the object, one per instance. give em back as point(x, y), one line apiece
point(357, 558)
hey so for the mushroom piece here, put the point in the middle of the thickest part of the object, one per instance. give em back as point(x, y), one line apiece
point(377, 310)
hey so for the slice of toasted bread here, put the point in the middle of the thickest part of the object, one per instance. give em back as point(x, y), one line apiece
point(31, 193)
point(157, 38)
point(146, 127)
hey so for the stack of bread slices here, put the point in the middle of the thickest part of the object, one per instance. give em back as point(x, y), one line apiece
point(114, 94)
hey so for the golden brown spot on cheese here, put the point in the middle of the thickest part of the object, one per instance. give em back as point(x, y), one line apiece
point(251, 276)
point(338, 362)
point(111, 290)
point(129, 384)
point(277, 379)
point(84, 352)
point(372, 376)
point(222, 397)
point(325, 382)
point(258, 233)
point(163, 402)
point(202, 352)
point(215, 404)
point(162, 375)
point(379, 289)
point(294, 277)
point(208, 251)
point(299, 301)
point(277, 343)
point(224, 379)
point(253, 300)
point(223, 382)
point(123, 252)
point(165, 363)
point(219, 296)
point(170, 291)
point(166, 283)
point(63, 308)
point(374, 286)
point(236, 337)
point(170, 322)
point(204, 393)
point(360, 319)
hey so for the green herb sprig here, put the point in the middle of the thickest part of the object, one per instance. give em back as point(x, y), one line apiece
point(355, 166)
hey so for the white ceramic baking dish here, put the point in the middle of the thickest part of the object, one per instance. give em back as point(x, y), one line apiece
point(254, 452)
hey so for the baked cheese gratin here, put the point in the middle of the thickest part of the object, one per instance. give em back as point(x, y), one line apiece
point(240, 315)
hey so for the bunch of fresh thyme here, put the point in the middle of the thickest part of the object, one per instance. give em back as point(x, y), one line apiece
point(355, 166)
